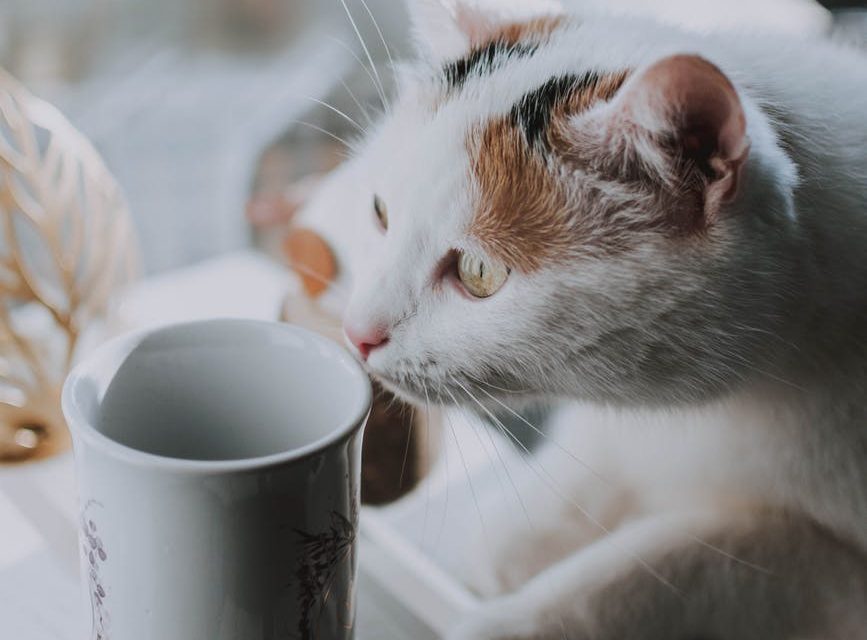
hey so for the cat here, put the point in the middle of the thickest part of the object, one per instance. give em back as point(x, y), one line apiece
point(664, 234)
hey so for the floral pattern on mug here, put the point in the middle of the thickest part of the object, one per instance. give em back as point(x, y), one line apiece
point(94, 555)
point(321, 557)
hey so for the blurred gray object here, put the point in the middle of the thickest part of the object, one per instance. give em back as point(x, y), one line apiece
point(182, 133)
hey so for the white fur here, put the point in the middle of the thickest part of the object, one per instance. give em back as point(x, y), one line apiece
point(719, 386)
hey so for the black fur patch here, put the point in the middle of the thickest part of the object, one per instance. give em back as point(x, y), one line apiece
point(532, 113)
point(485, 60)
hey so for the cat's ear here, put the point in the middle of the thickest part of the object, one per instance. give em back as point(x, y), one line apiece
point(683, 115)
point(448, 29)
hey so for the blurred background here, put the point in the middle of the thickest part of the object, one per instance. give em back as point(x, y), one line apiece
point(197, 105)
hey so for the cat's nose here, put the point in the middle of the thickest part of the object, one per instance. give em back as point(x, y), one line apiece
point(366, 339)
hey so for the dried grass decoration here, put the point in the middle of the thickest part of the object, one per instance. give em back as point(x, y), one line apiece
point(66, 247)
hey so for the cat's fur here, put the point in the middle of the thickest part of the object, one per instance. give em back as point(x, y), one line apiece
point(704, 319)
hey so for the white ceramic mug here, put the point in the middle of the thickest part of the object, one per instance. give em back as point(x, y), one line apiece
point(218, 468)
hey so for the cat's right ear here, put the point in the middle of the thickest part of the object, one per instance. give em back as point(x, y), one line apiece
point(447, 29)
point(681, 121)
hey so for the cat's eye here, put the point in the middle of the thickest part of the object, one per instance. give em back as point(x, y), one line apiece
point(481, 276)
point(381, 212)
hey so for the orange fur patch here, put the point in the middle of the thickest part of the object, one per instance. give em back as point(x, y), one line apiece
point(525, 214)
point(309, 255)
point(523, 210)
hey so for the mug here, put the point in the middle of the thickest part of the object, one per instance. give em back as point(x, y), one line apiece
point(218, 469)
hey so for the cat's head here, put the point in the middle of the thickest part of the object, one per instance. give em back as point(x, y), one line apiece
point(522, 221)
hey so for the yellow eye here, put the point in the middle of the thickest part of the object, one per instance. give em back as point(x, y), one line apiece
point(380, 211)
point(481, 276)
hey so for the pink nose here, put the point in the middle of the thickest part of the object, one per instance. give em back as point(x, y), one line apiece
point(366, 339)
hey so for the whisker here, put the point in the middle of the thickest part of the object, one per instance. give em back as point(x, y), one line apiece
point(403, 407)
point(379, 32)
point(363, 44)
point(446, 501)
point(342, 141)
point(547, 437)
point(357, 102)
point(406, 449)
point(343, 115)
point(502, 460)
point(484, 447)
point(552, 485)
point(469, 479)
point(427, 480)
point(493, 386)
point(363, 65)
point(730, 556)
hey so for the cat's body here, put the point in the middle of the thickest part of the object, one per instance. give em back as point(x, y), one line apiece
point(694, 295)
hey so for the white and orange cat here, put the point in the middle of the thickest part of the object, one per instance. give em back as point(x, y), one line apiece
point(665, 234)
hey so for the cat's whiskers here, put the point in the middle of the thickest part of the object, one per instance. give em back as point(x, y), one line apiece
point(403, 408)
point(730, 556)
point(547, 437)
point(529, 520)
point(445, 451)
point(363, 65)
point(495, 387)
point(406, 449)
point(379, 32)
point(427, 480)
point(484, 448)
point(378, 82)
point(553, 486)
point(477, 431)
point(328, 133)
point(472, 487)
point(342, 114)
point(500, 458)
point(364, 111)
point(696, 538)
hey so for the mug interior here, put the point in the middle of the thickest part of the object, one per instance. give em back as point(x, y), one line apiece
point(221, 390)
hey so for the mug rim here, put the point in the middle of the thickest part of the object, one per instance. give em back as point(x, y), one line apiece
point(80, 427)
